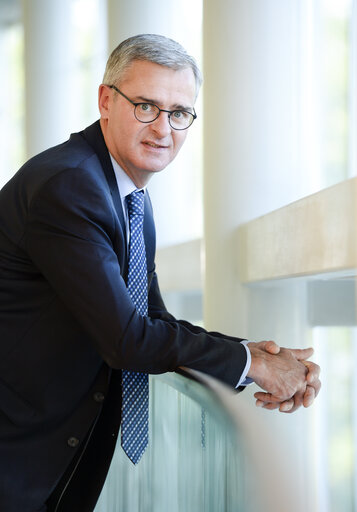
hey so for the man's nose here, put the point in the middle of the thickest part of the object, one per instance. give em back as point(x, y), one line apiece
point(161, 125)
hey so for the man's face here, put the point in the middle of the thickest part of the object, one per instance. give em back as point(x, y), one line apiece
point(143, 149)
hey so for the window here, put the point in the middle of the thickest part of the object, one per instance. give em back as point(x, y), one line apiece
point(86, 33)
point(336, 428)
point(12, 132)
point(335, 439)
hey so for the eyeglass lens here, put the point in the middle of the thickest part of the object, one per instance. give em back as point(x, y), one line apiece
point(178, 119)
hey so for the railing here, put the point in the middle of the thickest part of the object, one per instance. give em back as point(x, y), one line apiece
point(206, 453)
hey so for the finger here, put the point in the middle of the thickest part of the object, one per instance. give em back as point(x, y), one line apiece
point(309, 396)
point(267, 405)
point(312, 377)
point(293, 409)
point(302, 353)
point(287, 405)
point(259, 403)
point(317, 386)
point(298, 399)
point(292, 405)
point(314, 371)
point(266, 397)
point(271, 347)
point(271, 406)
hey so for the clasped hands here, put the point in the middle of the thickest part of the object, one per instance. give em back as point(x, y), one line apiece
point(289, 380)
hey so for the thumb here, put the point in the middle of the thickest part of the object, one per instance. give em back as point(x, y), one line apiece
point(270, 346)
point(302, 353)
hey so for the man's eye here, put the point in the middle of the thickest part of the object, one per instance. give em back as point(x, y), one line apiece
point(146, 107)
point(178, 114)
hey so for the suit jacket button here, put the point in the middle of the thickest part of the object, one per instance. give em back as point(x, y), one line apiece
point(98, 397)
point(73, 442)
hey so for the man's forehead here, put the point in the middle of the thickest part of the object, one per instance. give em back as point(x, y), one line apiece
point(166, 87)
point(143, 63)
point(147, 72)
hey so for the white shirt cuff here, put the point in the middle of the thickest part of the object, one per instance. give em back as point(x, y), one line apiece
point(244, 380)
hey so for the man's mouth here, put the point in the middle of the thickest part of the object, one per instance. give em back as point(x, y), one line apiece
point(153, 145)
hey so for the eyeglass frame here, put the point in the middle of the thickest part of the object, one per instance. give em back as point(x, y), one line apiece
point(170, 112)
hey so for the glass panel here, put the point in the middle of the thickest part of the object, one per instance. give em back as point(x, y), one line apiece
point(193, 461)
point(335, 432)
point(334, 83)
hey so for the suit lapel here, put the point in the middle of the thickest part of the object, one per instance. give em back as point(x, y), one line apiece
point(94, 136)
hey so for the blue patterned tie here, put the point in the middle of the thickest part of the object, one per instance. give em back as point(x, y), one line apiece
point(135, 385)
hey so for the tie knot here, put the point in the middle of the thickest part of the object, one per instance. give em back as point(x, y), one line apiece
point(135, 202)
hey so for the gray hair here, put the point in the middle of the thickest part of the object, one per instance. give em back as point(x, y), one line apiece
point(153, 48)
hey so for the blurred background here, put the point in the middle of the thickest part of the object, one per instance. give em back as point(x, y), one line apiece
point(276, 127)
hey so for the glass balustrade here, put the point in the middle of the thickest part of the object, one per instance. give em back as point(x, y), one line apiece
point(195, 460)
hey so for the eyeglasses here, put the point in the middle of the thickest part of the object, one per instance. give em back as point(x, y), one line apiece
point(148, 112)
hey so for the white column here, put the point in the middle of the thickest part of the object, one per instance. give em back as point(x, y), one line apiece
point(127, 19)
point(250, 147)
point(251, 166)
point(47, 72)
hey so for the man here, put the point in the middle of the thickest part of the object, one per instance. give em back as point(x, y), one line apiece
point(80, 304)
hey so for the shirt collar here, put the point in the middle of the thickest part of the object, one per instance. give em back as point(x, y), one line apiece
point(125, 184)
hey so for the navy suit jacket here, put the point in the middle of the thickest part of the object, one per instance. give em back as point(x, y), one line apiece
point(67, 323)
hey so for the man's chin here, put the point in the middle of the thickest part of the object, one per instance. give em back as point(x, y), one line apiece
point(155, 166)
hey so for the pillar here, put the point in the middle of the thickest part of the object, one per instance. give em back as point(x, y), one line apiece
point(251, 166)
point(47, 72)
point(249, 137)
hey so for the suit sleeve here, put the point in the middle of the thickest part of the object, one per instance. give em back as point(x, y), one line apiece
point(70, 237)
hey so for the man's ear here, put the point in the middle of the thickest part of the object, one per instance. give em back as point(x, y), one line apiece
point(103, 100)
